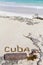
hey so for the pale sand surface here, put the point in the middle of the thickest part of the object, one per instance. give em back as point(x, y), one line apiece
point(12, 33)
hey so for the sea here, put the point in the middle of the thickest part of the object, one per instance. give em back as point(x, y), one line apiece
point(34, 2)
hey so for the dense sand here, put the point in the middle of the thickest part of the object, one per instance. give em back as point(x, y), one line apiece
point(12, 34)
point(12, 31)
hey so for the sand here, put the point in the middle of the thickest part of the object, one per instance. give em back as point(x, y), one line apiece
point(12, 31)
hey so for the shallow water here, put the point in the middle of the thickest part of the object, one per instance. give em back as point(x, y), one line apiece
point(37, 2)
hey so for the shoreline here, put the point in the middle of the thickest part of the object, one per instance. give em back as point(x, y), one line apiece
point(20, 10)
point(5, 13)
point(26, 10)
point(13, 14)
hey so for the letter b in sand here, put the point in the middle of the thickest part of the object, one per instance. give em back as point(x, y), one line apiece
point(19, 49)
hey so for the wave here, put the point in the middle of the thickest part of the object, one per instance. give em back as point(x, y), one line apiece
point(14, 4)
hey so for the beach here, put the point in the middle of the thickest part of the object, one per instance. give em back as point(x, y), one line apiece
point(13, 29)
point(19, 27)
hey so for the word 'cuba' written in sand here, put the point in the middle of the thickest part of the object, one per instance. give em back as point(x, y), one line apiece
point(16, 49)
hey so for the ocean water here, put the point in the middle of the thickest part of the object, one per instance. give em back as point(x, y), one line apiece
point(24, 1)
